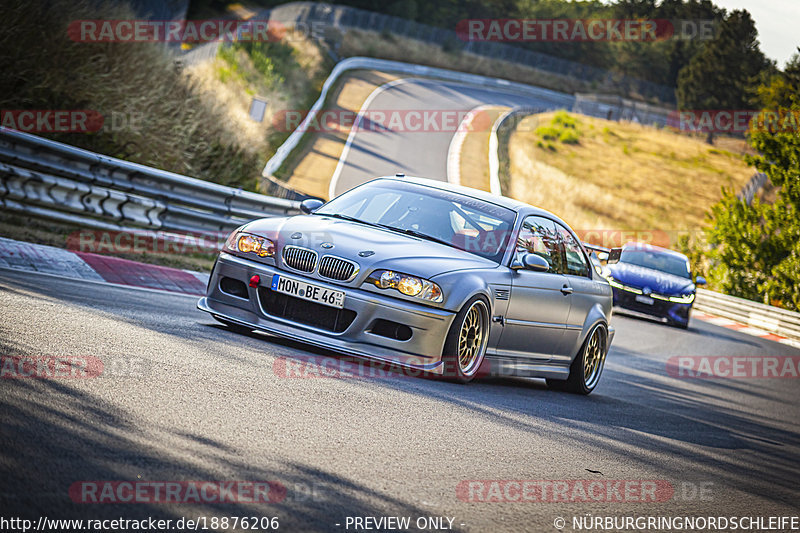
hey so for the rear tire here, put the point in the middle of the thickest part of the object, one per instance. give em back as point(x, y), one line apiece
point(465, 345)
point(586, 368)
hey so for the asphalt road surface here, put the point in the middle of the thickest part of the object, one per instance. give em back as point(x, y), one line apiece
point(379, 152)
point(186, 399)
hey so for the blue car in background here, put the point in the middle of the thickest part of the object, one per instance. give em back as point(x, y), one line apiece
point(652, 281)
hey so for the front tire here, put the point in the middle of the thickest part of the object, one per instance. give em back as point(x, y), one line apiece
point(465, 345)
point(586, 368)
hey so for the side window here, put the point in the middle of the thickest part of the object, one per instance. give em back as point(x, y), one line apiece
point(575, 261)
point(539, 236)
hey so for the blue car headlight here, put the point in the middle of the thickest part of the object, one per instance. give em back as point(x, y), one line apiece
point(407, 284)
point(616, 284)
point(684, 299)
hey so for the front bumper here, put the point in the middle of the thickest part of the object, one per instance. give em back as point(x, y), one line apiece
point(423, 350)
point(676, 313)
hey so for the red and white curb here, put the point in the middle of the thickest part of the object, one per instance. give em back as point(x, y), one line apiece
point(743, 328)
point(31, 257)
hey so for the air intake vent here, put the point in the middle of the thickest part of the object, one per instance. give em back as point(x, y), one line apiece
point(333, 267)
point(501, 294)
point(301, 259)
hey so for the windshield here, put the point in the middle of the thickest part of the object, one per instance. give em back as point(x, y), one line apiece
point(455, 219)
point(671, 264)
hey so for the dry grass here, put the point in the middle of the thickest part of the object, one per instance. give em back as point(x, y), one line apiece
point(311, 166)
point(621, 176)
point(475, 150)
point(195, 125)
point(176, 130)
point(231, 80)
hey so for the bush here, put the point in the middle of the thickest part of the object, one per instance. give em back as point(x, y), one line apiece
point(563, 128)
point(569, 137)
point(548, 133)
point(177, 129)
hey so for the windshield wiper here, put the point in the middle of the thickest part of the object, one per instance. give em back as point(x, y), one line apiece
point(346, 217)
point(419, 234)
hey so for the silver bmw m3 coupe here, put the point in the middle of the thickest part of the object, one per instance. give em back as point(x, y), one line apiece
point(422, 274)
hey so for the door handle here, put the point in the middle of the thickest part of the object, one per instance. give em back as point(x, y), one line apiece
point(566, 289)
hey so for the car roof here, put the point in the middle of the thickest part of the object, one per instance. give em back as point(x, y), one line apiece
point(503, 201)
point(653, 248)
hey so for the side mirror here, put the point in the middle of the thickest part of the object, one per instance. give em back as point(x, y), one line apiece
point(614, 255)
point(700, 280)
point(309, 205)
point(534, 262)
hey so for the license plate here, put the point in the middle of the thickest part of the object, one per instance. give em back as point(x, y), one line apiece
point(307, 291)
point(644, 300)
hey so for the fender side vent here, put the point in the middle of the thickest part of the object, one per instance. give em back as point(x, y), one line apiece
point(502, 294)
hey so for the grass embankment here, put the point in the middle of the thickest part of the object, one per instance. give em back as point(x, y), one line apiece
point(288, 75)
point(192, 121)
point(603, 175)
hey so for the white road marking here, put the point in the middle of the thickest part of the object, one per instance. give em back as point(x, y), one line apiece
point(353, 130)
point(456, 142)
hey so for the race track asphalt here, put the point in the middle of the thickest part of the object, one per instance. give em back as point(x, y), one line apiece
point(182, 398)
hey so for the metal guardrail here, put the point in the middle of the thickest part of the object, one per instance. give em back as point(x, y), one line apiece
point(618, 108)
point(755, 184)
point(50, 179)
point(765, 317)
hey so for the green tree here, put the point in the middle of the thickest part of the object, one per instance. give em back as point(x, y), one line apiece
point(756, 248)
point(725, 72)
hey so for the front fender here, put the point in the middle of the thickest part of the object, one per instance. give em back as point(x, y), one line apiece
point(459, 286)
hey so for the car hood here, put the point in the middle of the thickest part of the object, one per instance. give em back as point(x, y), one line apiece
point(646, 278)
point(391, 250)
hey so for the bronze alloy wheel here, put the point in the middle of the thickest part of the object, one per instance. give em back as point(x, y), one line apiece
point(472, 338)
point(594, 358)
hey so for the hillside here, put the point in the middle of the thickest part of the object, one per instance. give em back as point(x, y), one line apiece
point(603, 175)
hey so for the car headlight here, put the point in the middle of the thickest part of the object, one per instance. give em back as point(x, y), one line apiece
point(248, 243)
point(616, 284)
point(406, 284)
point(685, 299)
